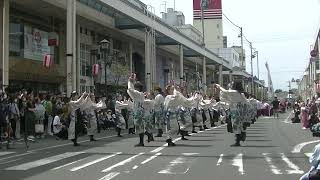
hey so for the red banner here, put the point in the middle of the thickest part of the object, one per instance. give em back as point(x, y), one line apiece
point(212, 11)
point(212, 4)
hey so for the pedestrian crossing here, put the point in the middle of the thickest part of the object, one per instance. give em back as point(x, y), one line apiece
point(275, 163)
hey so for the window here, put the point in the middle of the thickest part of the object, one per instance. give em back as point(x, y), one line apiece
point(218, 37)
point(15, 39)
point(218, 26)
point(85, 64)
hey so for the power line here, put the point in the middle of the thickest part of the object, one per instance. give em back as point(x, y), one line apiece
point(230, 21)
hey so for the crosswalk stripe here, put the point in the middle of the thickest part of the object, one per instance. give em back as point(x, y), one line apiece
point(220, 160)
point(294, 168)
point(95, 161)
point(273, 168)
point(6, 153)
point(237, 161)
point(110, 176)
point(176, 162)
point(122, 163)
point(151, 158)
point(44, 161)
point(65, 165)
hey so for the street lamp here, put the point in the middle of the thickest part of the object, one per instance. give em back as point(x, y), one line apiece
point(105, 51)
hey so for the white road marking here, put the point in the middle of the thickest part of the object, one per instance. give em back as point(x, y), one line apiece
point(178, 139)
point(299, 147)
point(159, 149)
point(273, 168)
point(17, 155)
point(6, 153)
point(237, 161)
point(122, 162)
point(308, 154)
point(220, 160)
point(50, 147)
point(294, 168)
point(177, 162)
point(110, 176)
point(11, 161)
point(189, 154)
point(135, 167)
point(59, 167)
point(44, 161)
point(94, 162)
point(151, 158)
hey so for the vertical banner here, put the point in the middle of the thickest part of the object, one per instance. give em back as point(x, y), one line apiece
point(213, 9)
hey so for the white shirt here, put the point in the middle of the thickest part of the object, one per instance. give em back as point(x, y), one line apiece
point(57, 126)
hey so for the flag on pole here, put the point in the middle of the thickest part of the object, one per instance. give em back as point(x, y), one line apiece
point(270, 85)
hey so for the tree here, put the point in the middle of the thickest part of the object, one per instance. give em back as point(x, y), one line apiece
point(278, 91)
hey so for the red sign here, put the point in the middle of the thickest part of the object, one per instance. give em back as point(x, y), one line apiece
point(212, 11)
point(52, 42)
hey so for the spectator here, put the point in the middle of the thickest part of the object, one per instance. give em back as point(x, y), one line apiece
point(48, 115)
point(15, 117)
point(59, 129)
point(30, 119)
point(40, 116)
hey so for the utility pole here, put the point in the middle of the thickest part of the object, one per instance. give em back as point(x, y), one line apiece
point(203, 4)
point(251, 58)
point(258, 65)
point(242, 50)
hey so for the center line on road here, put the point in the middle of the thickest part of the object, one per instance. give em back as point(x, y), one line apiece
point(110, 176)
point(151, 158)
point(220, 160)
point(94, 162)
point(273, 168)
point(122, 162)
point(237, 161)
point(295, 168)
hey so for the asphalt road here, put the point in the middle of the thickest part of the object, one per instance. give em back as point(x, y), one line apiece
point(267, 154)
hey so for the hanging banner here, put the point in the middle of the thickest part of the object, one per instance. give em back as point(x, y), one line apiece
point(35, 43)
point(95, 69)
point(47, 60)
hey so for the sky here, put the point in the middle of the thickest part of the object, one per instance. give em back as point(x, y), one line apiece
point(282, 31)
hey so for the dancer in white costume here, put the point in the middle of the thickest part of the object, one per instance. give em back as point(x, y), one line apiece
point(90, 108)
point(159, 111)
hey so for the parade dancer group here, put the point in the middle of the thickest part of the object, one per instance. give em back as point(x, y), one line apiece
point(177, 112)
point(170, 112)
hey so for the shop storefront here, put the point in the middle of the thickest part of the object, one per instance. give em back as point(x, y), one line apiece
point(31, 38)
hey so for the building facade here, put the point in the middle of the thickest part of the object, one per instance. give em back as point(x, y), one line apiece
point(72, 33)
